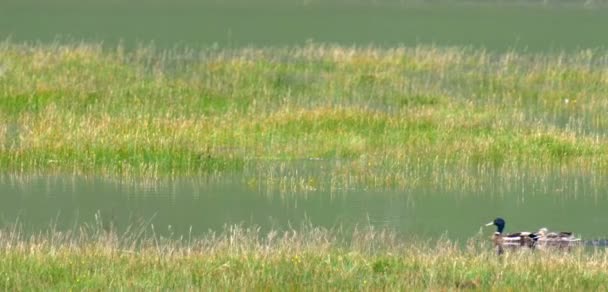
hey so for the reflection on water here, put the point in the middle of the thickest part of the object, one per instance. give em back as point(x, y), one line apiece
point(575, 203)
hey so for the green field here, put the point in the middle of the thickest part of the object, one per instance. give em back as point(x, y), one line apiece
point(373, 117)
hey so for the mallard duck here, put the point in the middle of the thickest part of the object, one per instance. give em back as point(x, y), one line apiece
point(560, 240)
point(541, 239)
point(512, 240)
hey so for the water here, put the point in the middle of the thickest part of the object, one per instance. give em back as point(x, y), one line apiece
point(532, 26)
point(195, 206)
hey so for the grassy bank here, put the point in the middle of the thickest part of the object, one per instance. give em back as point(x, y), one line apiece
point(91, 258)
point(371, 117)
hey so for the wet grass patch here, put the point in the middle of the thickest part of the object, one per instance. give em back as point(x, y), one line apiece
point(85, 109)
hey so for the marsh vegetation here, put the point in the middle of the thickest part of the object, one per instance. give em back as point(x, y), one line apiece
point(92, 257)
point(377, 118)
point(466, 125)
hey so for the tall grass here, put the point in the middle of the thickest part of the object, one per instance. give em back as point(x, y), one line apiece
point(375, 117)
point(96, 257)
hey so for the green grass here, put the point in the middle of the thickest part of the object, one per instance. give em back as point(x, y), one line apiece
point(372, 117)
point(295, 259)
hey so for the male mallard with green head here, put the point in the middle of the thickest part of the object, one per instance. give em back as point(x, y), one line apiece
point(511, 240)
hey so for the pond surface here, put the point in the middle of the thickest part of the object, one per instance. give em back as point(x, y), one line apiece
point(560, 25)
point(198, 205)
